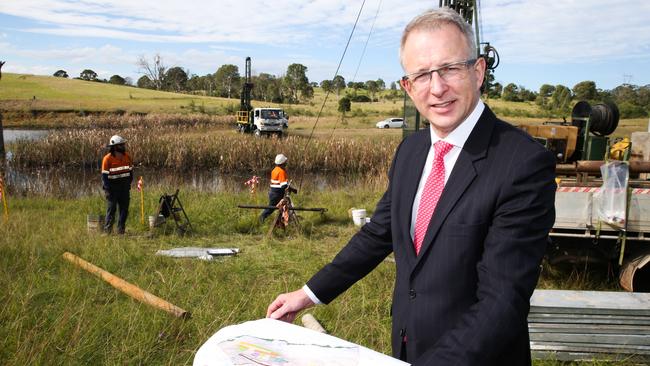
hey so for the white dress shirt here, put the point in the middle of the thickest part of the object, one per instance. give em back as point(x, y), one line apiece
point(457, 137)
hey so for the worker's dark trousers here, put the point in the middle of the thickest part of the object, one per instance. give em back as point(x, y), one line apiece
point(117, 199)
point(275, 195)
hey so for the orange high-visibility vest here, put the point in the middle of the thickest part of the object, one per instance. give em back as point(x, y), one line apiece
point(279, 178)
point(119, 170)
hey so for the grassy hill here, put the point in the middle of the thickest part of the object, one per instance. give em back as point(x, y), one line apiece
point(48, 93)
point(44, 101)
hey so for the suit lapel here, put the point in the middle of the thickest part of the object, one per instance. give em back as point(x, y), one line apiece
point(461, 177)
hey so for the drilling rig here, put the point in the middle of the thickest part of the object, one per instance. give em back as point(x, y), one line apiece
point(258, 121)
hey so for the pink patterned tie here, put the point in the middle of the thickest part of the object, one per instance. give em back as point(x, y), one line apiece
point(431, 193)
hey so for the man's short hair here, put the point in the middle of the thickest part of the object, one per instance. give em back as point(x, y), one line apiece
point(433, 19)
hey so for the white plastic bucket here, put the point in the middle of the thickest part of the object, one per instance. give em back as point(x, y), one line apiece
point(359, 216)
point(155, 221)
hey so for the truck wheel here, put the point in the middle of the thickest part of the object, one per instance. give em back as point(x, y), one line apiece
point(257, 133)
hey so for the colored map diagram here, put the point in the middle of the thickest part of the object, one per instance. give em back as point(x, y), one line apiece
point(248, 350)
point(268, 342)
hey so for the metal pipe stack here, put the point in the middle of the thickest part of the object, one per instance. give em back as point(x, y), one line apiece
point(569, 325)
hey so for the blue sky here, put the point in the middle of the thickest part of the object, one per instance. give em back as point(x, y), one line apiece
point(553, 42)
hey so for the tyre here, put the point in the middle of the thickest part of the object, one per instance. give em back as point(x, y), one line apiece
point(257, 133)
point(386, 126)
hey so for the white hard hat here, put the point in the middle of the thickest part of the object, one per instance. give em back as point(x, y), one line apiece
point(280, 159)
point(116, 140)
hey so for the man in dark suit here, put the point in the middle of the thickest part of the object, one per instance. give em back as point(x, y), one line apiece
point(468, 257)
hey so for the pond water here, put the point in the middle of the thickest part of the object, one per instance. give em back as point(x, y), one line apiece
point(13, 135)
point(79, 182)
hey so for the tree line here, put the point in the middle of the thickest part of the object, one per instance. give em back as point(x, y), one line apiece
point(633, 101)
point(294, 87)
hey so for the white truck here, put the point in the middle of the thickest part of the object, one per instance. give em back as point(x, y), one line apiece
point(259, 121)
point(270, 121)
point(263, 121)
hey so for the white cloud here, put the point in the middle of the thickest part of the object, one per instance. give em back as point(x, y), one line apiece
point(568, 31)
point(253, 21)
point(201, 35)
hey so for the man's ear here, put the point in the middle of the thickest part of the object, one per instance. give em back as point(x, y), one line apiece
point(479, 69)
point(404, 84)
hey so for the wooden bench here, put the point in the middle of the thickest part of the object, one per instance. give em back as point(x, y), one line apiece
point(590, 325)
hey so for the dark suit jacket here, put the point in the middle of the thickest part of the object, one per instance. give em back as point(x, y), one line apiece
point(465, 299)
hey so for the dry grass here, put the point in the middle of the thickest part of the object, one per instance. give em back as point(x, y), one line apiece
point(187, 147)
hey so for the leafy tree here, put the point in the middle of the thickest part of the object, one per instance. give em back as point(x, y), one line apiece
point(327, 86)
point(511, 93)
point(625, 93)
point(295, 81)
point(381, 84)
point(486, 88)
point(629, 110)
point(344, 106)
point(526, 95)
point(356, 85)
point(117, 80)
point(227, 81)
point(489, 87)
point(88, 74)
point(307, 92)
point(393, 85)
point(338, 83)
point(205, 84)
point(496, 91)
point(154, 70)
point(267, 88)
point(585, 90)
point(372, 87)
point(561, 99)
point(546, 90)
point(643, 96)
point(145, 83)
point(61, 74)
point(175, 79)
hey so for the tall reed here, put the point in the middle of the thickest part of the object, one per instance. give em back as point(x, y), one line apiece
point(195, 146)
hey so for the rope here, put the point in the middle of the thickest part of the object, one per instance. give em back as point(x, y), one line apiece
point(363, 53)
point(328, 92)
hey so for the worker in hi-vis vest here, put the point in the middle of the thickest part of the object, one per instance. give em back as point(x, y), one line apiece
point(279, 184)
point(117, 175)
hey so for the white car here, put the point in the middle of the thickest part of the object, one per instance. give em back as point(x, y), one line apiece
point(391, 123)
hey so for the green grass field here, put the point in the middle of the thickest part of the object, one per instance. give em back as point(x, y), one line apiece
point(54, 313)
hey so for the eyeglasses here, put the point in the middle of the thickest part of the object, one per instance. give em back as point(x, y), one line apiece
point(450, 72)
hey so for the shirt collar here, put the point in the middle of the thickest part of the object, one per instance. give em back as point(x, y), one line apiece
point(460, 134)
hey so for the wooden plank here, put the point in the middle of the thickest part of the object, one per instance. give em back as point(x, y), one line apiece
point(128, 288)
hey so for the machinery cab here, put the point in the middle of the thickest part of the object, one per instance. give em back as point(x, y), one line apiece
point(270, 121)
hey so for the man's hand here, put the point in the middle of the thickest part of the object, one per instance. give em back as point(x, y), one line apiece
point(286, 306)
